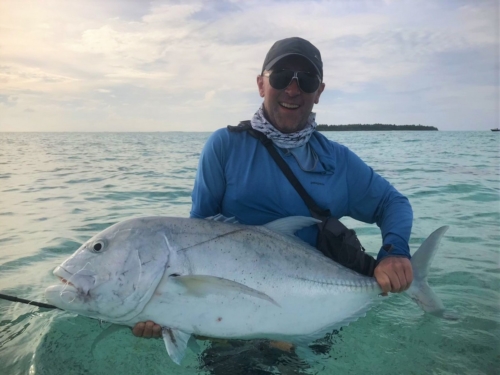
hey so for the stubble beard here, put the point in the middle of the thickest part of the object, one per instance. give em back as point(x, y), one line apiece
point(296, 126)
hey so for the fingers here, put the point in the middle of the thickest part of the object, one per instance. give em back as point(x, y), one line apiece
point(394, 274)
point(147, 330)
point(138, 329)
point(409, 276)
point(404, 272)
point(402, 284)
point(156, 331)
point(395, 282)
point(383, 280)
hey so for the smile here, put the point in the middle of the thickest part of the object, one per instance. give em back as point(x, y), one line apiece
point(289, 106)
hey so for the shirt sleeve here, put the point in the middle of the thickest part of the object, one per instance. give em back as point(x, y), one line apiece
point(373, 199)
point(209, 184)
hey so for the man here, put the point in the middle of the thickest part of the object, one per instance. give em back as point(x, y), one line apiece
point(238, 177)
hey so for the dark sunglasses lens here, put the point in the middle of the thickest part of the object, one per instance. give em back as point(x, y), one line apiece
point(308, 82)
point(280, 79)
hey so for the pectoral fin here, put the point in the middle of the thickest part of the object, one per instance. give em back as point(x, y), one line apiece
point(104, 334)
point(202, 285)
point(176, 343)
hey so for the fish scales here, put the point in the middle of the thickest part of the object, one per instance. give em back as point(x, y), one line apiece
point(220, 279)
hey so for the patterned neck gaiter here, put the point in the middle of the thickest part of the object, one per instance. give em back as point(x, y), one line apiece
point(282, 140)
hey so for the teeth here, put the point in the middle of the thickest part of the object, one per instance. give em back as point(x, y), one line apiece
point(291, 106)
point(66, 281)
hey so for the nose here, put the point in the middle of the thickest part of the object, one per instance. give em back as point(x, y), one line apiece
point(293, 88)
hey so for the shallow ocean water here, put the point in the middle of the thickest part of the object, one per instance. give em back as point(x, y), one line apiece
point(59, 189)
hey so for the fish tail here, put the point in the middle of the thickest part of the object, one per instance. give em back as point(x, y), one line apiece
point(420, 291)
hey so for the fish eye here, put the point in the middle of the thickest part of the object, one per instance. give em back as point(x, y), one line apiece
point(97, 246)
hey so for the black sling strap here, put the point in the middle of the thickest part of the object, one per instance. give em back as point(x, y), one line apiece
point(316, 211)
point(335, 240)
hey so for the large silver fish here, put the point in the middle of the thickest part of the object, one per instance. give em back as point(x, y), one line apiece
point(223, 280)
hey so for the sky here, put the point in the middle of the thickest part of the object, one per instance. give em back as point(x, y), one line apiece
point(122, 65)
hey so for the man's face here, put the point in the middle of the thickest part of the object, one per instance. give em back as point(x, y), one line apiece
point(288, 109)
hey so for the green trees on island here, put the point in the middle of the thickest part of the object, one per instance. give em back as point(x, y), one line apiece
point(370, 127)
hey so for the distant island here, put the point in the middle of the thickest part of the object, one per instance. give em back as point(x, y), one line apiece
point(371, 127)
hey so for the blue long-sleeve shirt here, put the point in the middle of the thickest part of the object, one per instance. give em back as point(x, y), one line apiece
point(237, 177)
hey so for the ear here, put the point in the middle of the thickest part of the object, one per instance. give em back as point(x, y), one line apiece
point(260, 85)
point(318, 93)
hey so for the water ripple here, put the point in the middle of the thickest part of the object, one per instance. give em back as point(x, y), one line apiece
point(58, 190)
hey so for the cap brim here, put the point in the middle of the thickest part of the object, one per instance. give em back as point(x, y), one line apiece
point(276, 59)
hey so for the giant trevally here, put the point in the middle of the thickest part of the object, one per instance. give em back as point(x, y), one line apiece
point(222, 279)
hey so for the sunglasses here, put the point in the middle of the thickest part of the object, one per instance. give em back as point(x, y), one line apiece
point(280, 79)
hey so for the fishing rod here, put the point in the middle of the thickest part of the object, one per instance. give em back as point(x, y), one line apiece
point(27, 302)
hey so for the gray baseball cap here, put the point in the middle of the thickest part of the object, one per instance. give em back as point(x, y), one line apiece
point(293, 46)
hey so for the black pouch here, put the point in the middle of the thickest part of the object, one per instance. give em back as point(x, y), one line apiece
point(342, 245)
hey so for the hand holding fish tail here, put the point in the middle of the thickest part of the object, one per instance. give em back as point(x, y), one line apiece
point(394, 274)
point(147, 330)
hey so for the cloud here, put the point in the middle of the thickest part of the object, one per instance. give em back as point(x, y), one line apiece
point(209, 95)
point(9, 101)
point(191, 65)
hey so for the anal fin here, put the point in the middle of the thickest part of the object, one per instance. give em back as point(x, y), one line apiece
point(176, 342)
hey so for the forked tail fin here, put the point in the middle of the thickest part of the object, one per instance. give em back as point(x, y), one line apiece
point(421, 261)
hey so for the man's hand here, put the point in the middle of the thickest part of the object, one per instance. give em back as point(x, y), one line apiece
point(394, 274)
point(147, 330)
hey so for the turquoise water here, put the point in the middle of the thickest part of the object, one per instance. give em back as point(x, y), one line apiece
point(59, 189)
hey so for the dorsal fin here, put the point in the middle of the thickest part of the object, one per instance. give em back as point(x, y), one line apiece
point(289, 225)
point(222, 218)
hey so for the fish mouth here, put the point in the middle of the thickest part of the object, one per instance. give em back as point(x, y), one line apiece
point(82, 281)
point(64, 281)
